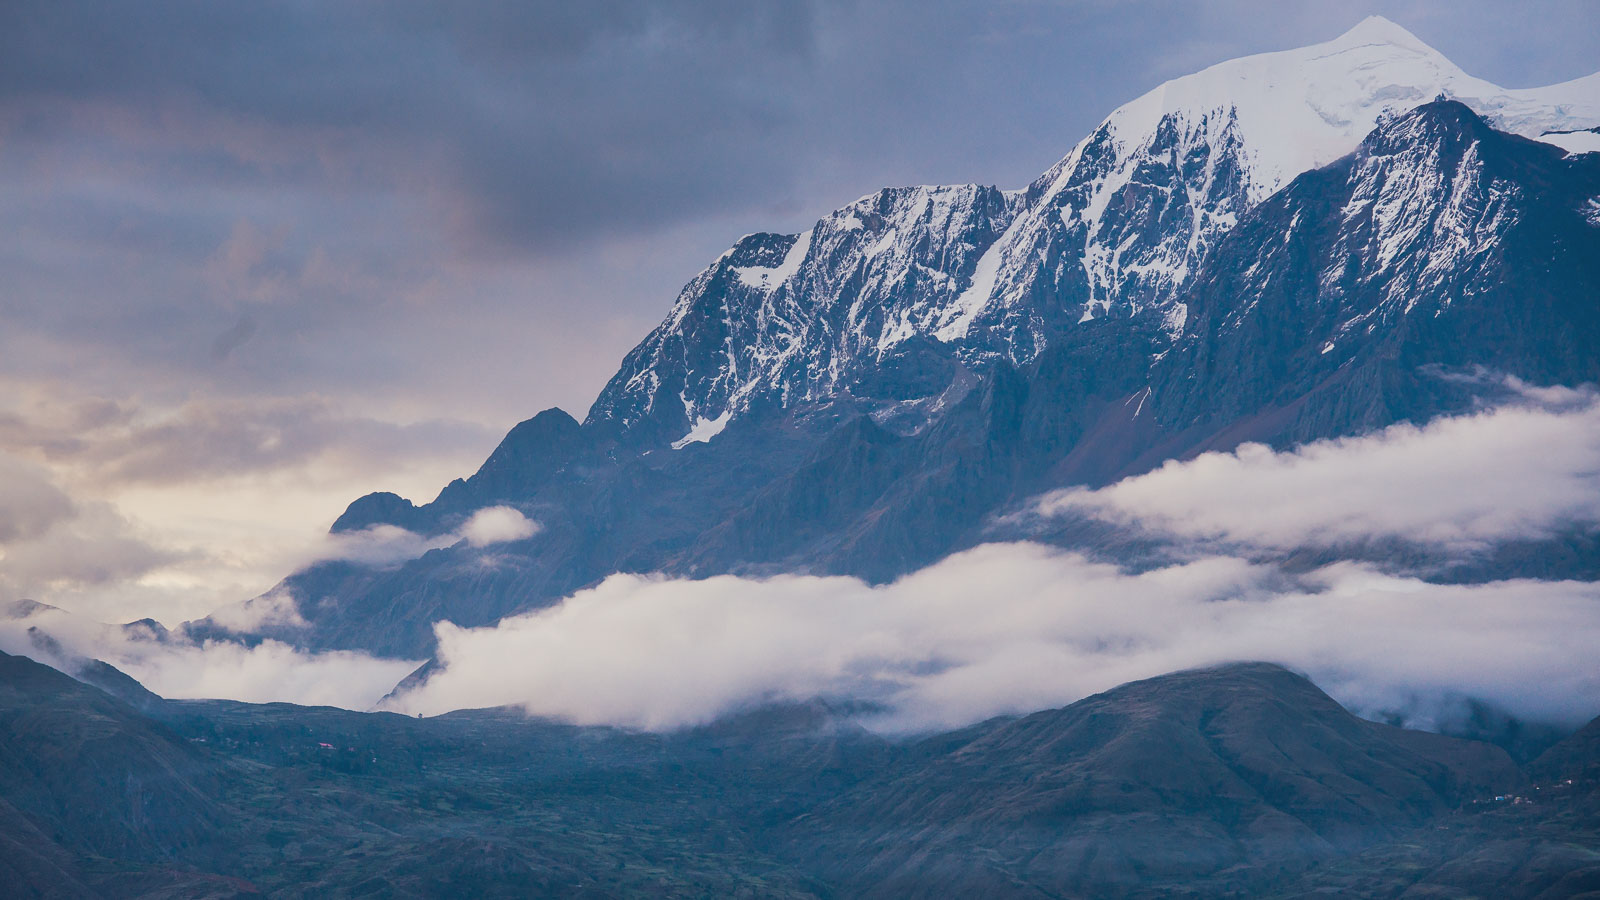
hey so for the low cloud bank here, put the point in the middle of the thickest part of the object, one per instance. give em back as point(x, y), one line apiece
point(1016, 627)
point(1003, 628)
point(1010, 628)
point(180, 669)
point(1463, 483)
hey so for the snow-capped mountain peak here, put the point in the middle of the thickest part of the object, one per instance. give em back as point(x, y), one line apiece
point(1223, 139)
point(1297, 110)
point(1115, 229)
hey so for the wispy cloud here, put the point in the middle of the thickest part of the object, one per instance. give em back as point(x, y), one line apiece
point(379, 547)
point(173, 667)
point(1523, 471)
point(497, 525)
point(383, 545)
point(116, 442)
point(51, 542)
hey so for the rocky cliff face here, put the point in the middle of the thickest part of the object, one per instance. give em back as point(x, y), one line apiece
point(887, 299)
point(1438, 246)
point(782, 319)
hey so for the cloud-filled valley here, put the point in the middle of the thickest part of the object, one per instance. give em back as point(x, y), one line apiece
point(1011, 627)
point(1000, 629)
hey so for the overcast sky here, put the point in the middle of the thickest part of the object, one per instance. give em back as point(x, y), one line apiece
point(263, 258)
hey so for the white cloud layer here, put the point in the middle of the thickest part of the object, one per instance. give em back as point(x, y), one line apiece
point(384, 545)
point(1010, 628)
point(1017, 627)
point(267, 672)
point(497, 525)
point(379, 545)
point(1460, 483)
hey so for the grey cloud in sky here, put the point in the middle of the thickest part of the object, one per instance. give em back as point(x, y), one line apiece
point(233, 338)
point(30, 503)
point(530, 124)
point(212, 480)
point(209, 438)
point(366, 182)
point(50, 541)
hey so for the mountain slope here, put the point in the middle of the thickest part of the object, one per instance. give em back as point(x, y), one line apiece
point(782, 318)
point(83, 775)
point(810, 403)
point(1538, 842)
point(1149, 787)
point(83, 763)
point(1210, 783)
point(1440, 245)
point(1366, 293)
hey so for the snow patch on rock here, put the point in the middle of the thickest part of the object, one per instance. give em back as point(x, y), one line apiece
point(704, 430)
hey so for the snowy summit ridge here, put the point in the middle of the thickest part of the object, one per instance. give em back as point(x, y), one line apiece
point(921, 282)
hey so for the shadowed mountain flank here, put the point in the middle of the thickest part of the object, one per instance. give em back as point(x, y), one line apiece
point(1241, 779)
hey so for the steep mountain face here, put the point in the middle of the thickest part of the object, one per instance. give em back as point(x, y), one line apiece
point(781, 319)
point(1363, 294)
point(1116, 228)
point(603, 510)
point(864, 397)
point(1441, 244)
